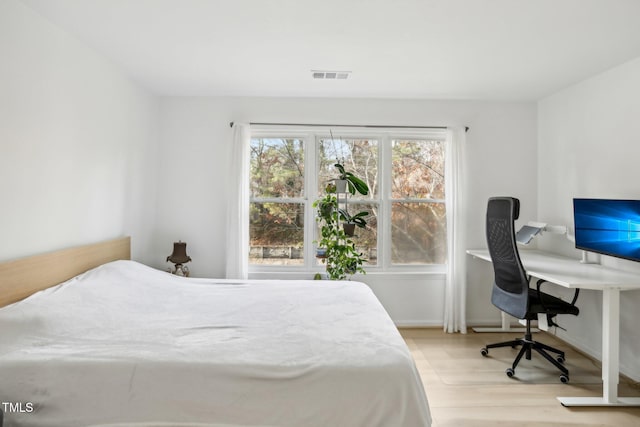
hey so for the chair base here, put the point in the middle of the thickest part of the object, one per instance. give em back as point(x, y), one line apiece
point(528, 345)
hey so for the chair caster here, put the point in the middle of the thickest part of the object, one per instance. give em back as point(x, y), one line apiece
point(484, 351)
point(560, 359)
point(564, 379)
point(510, 372)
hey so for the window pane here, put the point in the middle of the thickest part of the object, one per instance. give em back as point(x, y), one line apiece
point(366, 239)
point(359, 156)
point(418, 233)
point(276, 232)
point(277, 167)
point(418, 169)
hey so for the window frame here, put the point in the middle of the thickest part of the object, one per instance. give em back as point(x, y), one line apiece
point(305, 200)
point(311, 137)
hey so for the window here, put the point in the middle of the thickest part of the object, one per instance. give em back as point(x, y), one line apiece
point(418, 224)
point(406, 225)
point(359, 156)
point(276, 209)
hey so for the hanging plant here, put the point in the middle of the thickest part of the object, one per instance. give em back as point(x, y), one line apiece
point(341, 257)
point(354, 184)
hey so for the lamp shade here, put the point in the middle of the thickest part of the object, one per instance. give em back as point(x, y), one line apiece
point(179, 255)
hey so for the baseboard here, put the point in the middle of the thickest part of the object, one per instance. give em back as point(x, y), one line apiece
point(596, 356)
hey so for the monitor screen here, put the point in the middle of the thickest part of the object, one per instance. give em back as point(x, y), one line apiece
point(610, 227)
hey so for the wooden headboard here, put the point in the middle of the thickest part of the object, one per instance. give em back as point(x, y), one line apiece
point(23, 277)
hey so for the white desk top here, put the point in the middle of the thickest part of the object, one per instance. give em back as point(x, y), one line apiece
point(569, 272)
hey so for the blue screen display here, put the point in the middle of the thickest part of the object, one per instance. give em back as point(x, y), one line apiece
point(610, 227)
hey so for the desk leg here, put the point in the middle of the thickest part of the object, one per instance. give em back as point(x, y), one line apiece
point(610, 344)
point(610, 358)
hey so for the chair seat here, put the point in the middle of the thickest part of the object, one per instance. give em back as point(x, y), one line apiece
point(546, 303)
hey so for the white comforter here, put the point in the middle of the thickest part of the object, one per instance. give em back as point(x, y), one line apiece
point(125, 343)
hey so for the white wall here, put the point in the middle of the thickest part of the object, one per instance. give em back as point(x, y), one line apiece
point(194, 166)
point(77, 142)
point(589, 145)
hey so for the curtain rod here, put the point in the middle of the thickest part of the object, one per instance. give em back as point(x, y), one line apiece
point(466, 128)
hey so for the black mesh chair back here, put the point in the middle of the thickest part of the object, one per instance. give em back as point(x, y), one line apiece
point(511, 287)
point(511, 292)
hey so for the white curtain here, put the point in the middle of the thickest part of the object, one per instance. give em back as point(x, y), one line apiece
point(238, 207)
point(456, 287)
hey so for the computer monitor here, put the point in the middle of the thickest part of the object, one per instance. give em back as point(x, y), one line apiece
point(607, 226)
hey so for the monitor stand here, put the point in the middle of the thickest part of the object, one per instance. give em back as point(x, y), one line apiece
point(585, 258)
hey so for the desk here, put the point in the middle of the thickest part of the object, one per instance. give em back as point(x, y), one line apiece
point(570, 273)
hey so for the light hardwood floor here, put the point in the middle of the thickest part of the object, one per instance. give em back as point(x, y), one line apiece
point(465, 389)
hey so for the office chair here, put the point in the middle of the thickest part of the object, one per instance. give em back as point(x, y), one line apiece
point(511, 292)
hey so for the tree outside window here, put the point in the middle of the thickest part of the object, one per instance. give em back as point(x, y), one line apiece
point(276, 218)
point(418, 217)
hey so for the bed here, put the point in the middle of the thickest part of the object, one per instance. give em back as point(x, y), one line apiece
point(124, 344)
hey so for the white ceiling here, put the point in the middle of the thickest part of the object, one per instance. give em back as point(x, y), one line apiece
point(435, 49)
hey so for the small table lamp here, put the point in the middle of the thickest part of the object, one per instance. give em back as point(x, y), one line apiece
point(179, 257)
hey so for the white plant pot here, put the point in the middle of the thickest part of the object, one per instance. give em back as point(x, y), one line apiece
point(341, 185)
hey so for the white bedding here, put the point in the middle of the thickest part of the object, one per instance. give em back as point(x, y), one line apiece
point(125, 343)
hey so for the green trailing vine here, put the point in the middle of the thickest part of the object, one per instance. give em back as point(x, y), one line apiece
point(340, 255)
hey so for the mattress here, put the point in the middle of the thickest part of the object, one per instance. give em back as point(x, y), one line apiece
point(125, 344)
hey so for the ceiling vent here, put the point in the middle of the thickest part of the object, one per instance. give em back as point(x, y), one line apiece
point(330, 75)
